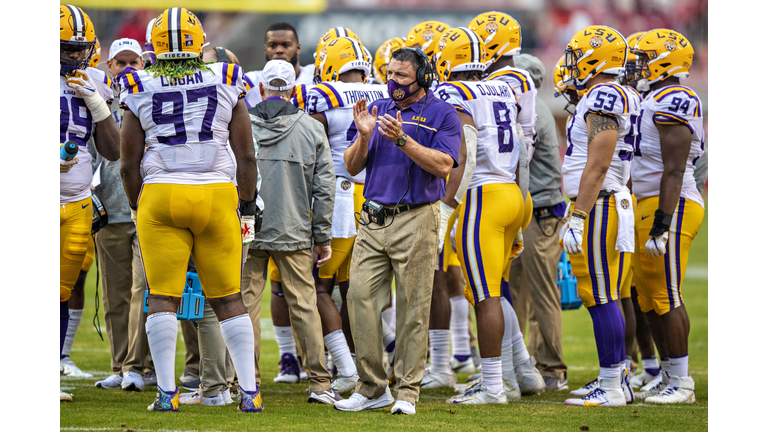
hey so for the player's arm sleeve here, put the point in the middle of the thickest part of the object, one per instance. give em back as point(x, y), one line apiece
point(323, 97)
point(301, 98)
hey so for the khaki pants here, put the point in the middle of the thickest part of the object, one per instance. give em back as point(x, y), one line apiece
point(533, 286)
point(295, 269)
point(409, 247)
point(252, 288)
point(122, 285)
point(217, 372)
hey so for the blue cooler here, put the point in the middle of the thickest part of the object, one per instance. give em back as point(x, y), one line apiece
point(566, 283)
point(192, 300)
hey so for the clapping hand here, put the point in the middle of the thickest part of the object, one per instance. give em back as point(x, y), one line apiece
point(364, 121)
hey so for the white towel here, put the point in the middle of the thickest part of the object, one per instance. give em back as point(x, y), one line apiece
point(343, 225)
point(625, 239)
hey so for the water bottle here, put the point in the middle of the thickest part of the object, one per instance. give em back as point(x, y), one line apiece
point(68, 150)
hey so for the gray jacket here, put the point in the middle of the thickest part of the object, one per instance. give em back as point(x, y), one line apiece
point(298, 177)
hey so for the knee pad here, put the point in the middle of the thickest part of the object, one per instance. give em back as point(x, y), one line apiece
point(76, 243)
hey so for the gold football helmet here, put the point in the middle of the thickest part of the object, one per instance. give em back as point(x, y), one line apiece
point(459, 49)
point(96, 56)
point(340, 55)
point(77, 39)
point(177, 34)
point(333, 33)
point(425, 35)
point(662, 53)
point(594, 50)
point(499, 31)
point(382, 56)
point(564, 85)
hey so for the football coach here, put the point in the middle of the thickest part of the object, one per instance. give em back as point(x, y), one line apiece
point(408, 144)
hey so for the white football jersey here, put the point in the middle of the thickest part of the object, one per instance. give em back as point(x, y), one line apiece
point(336, 100)
point(253, 78)
point(493, 107)
point(522, 83)
point(76, 124)
point(605, 98)
point(186, 123)
point(669, 105)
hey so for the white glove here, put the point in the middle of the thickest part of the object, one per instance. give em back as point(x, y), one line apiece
point(247, 228)
point(93, 100)
point(571, 235)
point(65, 166)
point(134, 216)
point(445, 213)
point(517, 244)
point(657, 246)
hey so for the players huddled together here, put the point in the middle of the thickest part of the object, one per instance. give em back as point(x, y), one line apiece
point(184, 134)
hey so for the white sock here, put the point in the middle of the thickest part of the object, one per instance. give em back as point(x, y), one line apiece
point(507, 361)
point(337, 346)
point(460, 326)
point(678, 366)
point(512, 333)
point(162, 329)
point(666, 366)
point(651, 362)
point(238, 335)
point(492, 374)
point(440, 350)
point(285, 341)
point(75, 315)
point(389, 336)
point(393, 317)
point(628, 362)
point(610, 377)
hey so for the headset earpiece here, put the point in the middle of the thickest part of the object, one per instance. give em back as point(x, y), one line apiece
point(221, 53)
point(424, 72)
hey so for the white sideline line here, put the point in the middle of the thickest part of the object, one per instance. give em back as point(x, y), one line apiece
point(72, 428)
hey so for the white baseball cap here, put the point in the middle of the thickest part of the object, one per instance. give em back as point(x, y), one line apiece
point(278, 69)
point(124, 44)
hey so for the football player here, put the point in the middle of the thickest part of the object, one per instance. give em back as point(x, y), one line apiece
point(185, 111)
point(670, 209)
point(281, 42)
point(382, 56)
point(341, 69)
point(595, 174)
point(83, 97)
point(491, 213)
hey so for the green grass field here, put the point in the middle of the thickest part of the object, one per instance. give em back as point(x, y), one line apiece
point(286, 407)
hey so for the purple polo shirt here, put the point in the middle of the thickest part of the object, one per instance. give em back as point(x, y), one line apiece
point(386, 171)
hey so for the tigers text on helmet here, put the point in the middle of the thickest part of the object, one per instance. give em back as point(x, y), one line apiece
point(458, 50)
point(425, 35)
point(177, 35)
point(77, 39)
point(340, 55)
point(662, 53)
point(594, 50)
point(382, 56)
point(333, 33)
point(499, 31)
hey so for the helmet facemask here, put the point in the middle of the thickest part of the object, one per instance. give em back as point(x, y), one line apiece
point(83, 52)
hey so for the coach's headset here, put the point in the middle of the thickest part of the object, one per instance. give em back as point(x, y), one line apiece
point(424, 78)
point(221, 53)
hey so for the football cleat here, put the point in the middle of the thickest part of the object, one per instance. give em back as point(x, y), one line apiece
point(195, 398)
point(587, 389)
point(626, 388)
point(600, 397)
point(289, 369)
point(329, 397)
point(653, 388)
point(466, 366)
point(512, 390)
point(529, 378)
point(644, 378)
point(478, 394)
point(403, 407)
point(132, 382)
point(165, 401)
point(111, 382)
point(344, 384)
point(64, 397)
point(433, 380)
point(70, 369)
point(679, 390)
point(358, 402)
point(249, 401)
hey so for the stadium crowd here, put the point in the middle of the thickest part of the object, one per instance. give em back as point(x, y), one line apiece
point(430, 163)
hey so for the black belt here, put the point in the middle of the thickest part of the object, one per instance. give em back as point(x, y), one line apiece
point(602, 194)
point(391, 211)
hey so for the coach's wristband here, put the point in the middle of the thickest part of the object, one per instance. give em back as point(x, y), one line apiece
point(661, 223)
point(248, 208)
